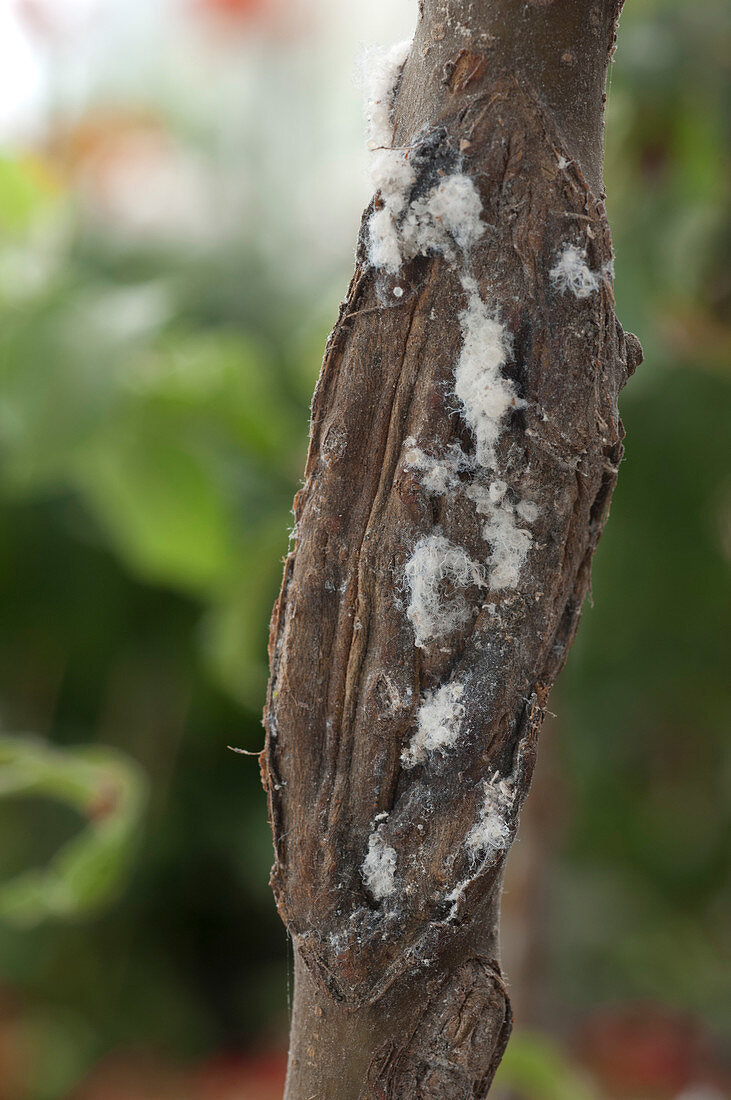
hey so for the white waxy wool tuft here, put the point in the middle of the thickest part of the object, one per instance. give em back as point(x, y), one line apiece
point(379, 865)
point(446, 218)
point(485, 395)
point(456, 205)
point(384, 70)
point(439, 476)
point(391, 173)
point(438, 723)
point(490, 835)
point(434, 574)
point(573, 275)
point(527, 510)
point(508, 541)
point(492, 832)
point(384, 242)
point(448, 215)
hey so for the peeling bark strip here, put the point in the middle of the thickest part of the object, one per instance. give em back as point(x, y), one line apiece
point(465, 445)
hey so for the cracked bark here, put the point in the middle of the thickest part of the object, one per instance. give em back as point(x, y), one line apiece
point(405, 998)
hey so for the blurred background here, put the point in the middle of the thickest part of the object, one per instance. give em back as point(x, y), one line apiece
point(166, 287)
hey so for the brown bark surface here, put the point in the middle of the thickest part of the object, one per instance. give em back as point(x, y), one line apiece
point(404, 997)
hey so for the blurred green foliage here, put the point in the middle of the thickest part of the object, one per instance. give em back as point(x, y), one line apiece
point(643, 703)
point(153, 416)
point(534, 1068)
point(151, 445)
point(82, 875)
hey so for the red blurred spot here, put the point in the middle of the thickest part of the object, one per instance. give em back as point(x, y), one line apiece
point(130, 1075)
point(236, 10)
point(228, 20)
point(234, 1076)
point(646, 1050)
point(135, 1076)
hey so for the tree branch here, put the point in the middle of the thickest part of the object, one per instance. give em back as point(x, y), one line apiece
point(464, 446)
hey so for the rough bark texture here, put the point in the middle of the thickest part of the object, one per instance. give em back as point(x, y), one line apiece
point(402, 997)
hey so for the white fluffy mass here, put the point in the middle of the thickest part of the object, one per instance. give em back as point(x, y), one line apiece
point(379, 866)
point(384, 70)
point(399, 229)
point(502, 528)
point(447, 216)
point(438, 475)
point(573, 274)
point(485, 395)
point(435, 572)
point(491, 833)
point(391, 173)
point(455, 205)
point(509, 542)
point(392, 177)
point(438, 723)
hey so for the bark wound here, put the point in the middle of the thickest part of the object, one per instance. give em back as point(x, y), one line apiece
point(465, 69)
point(347, 680)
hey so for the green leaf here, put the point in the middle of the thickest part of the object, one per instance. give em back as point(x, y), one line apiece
point(26, 190)
point(109, 790)
point(223, 377)
point(161, 503)
point(234, 634)
point(535, 1069)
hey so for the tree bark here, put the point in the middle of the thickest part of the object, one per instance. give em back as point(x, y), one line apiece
point(404, 705)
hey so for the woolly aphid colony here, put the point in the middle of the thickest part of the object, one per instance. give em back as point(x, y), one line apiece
point(446, 220)
point(572, 274)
